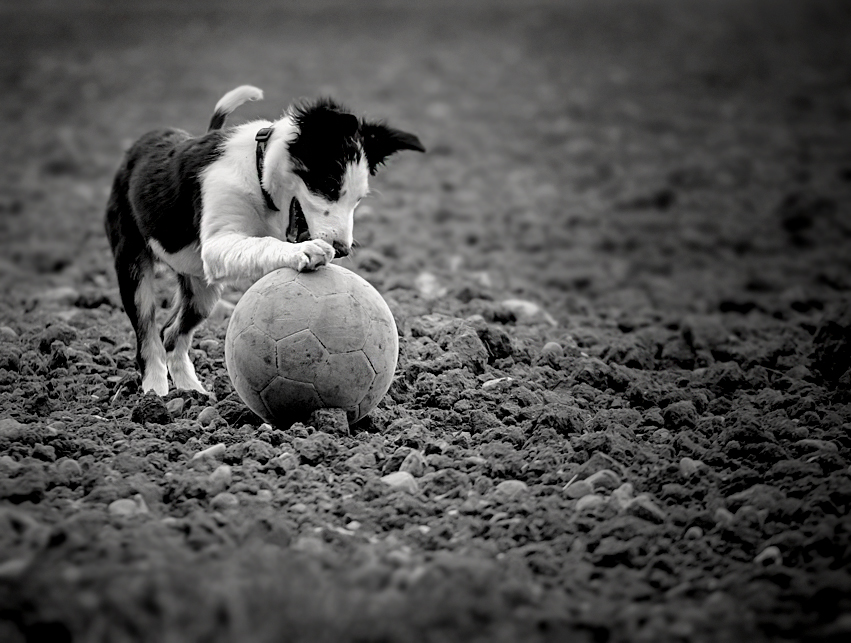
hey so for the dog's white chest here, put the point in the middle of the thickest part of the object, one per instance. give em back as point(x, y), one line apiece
point(186, 261)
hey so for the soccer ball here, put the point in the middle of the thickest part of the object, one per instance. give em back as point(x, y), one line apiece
point(301, 341)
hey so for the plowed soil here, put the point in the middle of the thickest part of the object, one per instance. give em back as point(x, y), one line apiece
point(620, 276)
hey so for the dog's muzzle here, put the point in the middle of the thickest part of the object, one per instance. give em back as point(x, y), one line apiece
point(298, 230)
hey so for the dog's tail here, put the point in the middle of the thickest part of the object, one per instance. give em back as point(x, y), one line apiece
point(230, 101)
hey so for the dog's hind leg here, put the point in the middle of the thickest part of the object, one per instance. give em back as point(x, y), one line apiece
point(193, 302)
point(134, 266)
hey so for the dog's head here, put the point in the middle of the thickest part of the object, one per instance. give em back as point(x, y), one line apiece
point(322, 168)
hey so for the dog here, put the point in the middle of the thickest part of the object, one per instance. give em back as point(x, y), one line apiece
point(233, 205)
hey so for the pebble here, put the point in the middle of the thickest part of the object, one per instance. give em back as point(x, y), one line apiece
point(589, 502)
point(299, 508)
point(207, 415)
point(414, 463)
point(175, 406)
point(11, 428)
point(527, 311)
point(604, 479)
point(693, 533)
point(429, 286)
point(401, 480)
point(510, 489)
point(265, 495)
point(643, 507)
point(578, 489)
point(723, 517)
point(215, 452)
point(622, 496)
point(128, 507)
point(496, 382)
point(224, 500)
point(817, 445)
point(208, 345)
point(220, 479)
point(689, 466)
point(769, 556)
point(8, 333)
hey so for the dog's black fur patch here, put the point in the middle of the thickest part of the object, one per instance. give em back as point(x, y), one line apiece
point(325, 144)
point(164, 167)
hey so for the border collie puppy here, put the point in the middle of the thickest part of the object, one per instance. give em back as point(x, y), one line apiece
point(233, 205)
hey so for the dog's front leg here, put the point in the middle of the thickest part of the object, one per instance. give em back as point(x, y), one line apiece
point(234, 257)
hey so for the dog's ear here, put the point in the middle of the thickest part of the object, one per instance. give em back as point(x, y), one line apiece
point(380, 141)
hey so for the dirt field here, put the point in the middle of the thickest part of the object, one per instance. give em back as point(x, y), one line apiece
point(620, 277)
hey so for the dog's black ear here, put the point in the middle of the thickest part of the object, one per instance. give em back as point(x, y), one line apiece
point(380, 141)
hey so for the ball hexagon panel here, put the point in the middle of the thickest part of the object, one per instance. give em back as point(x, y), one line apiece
point(298, 356)
point(285, 309)
point(251, 397)
point(319, 283)
point(252, 354)
point(287, 398)
point(341, 324)
point(343, 378)
point(243, 312)
point(274, 280)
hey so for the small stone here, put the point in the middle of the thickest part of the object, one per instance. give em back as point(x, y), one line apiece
point(175, 406)
point(215, 452)
point(8, 333)
point(604, 479)
point(209, 345)
point(643, 507)
point(265, 495)
point(401, 480)
point(224, 500)
point(68, 471)
point(578, 489)
point(331, 421)
point(414, 463)
point(299, 508)
point(510, 489)
point(128, 507)
point(354, 525)
point(284, 462)
point(429, 286)
point(496, 382)
point(693, 533)
point(589, 502)
point(11, 428)
point(220, 479)
point(207, 415)
point(527, 311)
point(723, 517)
point(769, 556)
point(622, 496)
point(551, 354)
point(689, 466)
point(811, 444)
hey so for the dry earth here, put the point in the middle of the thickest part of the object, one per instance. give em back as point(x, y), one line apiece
point(621, 281)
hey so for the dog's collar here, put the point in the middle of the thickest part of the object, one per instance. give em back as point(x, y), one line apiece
point(262, 139)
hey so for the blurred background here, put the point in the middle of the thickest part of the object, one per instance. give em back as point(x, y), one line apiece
point(639, 155)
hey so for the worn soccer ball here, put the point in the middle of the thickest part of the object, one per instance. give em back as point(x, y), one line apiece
point(302, 341)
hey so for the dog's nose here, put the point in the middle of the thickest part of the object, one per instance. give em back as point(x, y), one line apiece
point(340, 249)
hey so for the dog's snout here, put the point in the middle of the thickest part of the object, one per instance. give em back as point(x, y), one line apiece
point(340, 249)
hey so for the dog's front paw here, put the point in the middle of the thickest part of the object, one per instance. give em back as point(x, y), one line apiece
point(312, 254)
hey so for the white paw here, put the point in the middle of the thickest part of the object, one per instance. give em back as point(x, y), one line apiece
point(312, 254)
point(183, 374)
point(155, 380)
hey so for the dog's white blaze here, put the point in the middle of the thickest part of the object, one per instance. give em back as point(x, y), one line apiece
point(186, 261)
point(333, 221)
